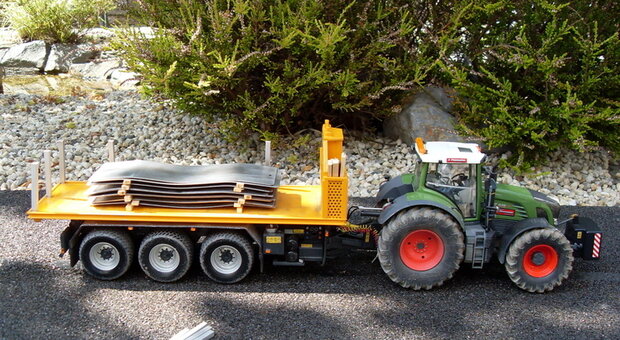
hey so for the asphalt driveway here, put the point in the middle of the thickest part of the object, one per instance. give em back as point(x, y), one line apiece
point(42, 297)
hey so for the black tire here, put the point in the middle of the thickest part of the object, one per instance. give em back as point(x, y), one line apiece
point(226, 257)
point(538, 272)
point(407, 233)
point(107, 254)
point(166, 256)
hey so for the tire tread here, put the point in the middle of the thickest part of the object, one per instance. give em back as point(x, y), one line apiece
point(518, 249)
point(405, 218)
point(178, 236)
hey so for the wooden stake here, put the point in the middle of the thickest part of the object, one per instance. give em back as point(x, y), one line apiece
point(47, 154)
point(268, 153)
point(342, 165)
point(111, 150)
point(34, 189)
point(61, 160)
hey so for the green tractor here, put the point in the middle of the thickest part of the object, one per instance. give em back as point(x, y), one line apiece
point(452, 212)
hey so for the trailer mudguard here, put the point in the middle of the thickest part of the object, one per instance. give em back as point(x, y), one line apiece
point(395, 187)
point(69, 241)
point(403, 203)
point(517, 229)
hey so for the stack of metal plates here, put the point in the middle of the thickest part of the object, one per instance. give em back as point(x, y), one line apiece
point(146, 183)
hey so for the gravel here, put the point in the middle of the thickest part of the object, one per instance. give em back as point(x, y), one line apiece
point(149, 129)
point(350, 298)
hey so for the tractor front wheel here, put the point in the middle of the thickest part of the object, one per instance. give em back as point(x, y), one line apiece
point(539, 260)
point(421, 248)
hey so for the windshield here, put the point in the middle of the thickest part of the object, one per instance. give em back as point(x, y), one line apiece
point(457, 182)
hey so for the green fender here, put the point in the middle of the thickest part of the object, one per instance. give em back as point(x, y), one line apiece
point(403, 203)
point(395, 187)
point(517, 229)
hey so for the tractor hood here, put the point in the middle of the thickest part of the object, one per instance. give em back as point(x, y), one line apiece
point(550, 202)
point(527, 200)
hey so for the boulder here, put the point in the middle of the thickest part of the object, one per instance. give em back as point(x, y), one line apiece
point(63, 55)
point(124, 78)
point(95, 70)
point(426, 114)
point(27, 85)
point(31, 54)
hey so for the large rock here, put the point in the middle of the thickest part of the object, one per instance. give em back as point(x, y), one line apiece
point(63, 55)
point(100, 70)
point(124, 78)
point(31, 54)
point(426, 115)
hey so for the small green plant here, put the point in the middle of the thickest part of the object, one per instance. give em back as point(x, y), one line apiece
point(292, 159)
point(54, 20)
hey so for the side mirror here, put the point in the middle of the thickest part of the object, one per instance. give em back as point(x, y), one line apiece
point(490, 171)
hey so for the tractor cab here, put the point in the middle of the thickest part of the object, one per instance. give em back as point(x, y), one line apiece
point(453, 171)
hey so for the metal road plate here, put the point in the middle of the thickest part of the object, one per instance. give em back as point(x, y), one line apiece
point(98, 189)
point(219, 203)
point(181, 189)
point(176, 200)
point(173, 175)
point(205, 206)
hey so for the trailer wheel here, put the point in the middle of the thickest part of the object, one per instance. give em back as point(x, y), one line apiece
point(539, 260)
point(226, 257)
point(106, 254)
point(421, 248)
point(166, 256)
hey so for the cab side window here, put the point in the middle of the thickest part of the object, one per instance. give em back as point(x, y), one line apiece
point(457, 182)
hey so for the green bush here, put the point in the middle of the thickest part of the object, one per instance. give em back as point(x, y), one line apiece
point(54, 20)
point(530, 75)
point(277, 66)
point(539, 76)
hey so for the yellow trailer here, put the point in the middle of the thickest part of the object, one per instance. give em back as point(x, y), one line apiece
point(108, 238)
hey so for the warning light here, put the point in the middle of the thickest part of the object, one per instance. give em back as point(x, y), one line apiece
point(420, 143)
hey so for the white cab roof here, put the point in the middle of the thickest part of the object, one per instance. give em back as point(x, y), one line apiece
point(450, 152)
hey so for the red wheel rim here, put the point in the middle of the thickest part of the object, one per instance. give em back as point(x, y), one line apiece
point(540, 260)
point(421, 250)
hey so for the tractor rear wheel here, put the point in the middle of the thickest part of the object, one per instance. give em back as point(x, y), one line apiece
point(421, 248)
point(539, 260)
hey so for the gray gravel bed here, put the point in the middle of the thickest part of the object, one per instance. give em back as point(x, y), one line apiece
point(350, 298)
point(152, 130)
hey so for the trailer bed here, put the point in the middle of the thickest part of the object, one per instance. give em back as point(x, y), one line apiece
point(297, 205)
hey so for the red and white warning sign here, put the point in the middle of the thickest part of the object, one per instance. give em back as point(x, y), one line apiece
point(596, 247)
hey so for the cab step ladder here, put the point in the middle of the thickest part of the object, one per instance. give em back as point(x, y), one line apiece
point(479, 254)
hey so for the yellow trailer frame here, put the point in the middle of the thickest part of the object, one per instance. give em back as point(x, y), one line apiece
point(324, 204)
